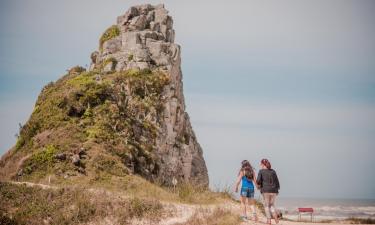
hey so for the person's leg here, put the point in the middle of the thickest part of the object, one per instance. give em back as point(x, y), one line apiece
point(267, 207)
point(243, 207)
point(252, 207)
point(247, 206)
point(272, 207)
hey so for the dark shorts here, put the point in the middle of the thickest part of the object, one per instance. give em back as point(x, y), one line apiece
point(247, 192)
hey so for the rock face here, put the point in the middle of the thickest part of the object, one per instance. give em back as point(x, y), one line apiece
point(142, 40)
point(146, 41)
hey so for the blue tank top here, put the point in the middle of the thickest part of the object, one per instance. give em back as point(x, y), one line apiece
point(246, 183)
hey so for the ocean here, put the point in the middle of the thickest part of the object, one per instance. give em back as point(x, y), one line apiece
point(327, 209)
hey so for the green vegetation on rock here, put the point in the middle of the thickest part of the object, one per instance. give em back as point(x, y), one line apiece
point(111, 61)
point(110, 33)
point(118, 114)
point(41, 160)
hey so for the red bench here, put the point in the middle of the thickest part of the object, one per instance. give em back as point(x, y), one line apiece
point(305, 210)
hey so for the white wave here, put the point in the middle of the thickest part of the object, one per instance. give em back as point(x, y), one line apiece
point(336, 211)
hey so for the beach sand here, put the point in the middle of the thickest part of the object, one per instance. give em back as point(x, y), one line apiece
point(263, 222)
point(306, 223)
point(282, 222)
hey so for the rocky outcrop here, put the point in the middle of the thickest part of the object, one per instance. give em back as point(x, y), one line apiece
point(146, 41)
point(128, 110)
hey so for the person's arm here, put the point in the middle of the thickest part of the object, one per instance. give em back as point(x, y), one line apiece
point(277, 182)
point(259, 179)
point(238, 181)
point(255, 180)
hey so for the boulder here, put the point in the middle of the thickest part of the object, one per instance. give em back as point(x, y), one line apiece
point(112, 46)
point(76, 160)
point(60, 156)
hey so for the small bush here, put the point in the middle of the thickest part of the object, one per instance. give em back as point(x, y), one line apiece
point(109, 60)
point(76, 70)
point(41, 160)
point(46, 156)
point(110, 33)
point(83, 79)
point(27, 132)
point(88, 113)
point(20, 142)
point(109, 165)
point(190, 193)
point(142, 207)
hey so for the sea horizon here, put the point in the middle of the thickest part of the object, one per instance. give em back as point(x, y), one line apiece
point(327, 208)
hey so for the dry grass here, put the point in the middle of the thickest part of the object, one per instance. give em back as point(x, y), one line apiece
point(10, 168)
point(83, 199)
point(32, 205)
point(218, 217)
point(136, 186)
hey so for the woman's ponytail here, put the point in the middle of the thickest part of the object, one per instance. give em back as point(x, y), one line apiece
point(266, 163)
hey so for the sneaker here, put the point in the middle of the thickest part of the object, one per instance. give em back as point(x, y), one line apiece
point(243, 218)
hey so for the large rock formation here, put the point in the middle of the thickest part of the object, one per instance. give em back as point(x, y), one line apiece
point(143, 38)
point(130, 106)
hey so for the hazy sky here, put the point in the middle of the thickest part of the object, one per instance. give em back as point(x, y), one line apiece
point(293, 81)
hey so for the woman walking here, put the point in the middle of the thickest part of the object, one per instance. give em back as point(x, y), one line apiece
point(269, 185)
point(246, 177)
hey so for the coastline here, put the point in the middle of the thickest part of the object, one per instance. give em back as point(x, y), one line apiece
point(332, 210)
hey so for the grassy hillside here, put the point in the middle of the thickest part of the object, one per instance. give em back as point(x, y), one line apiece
point(89, 123)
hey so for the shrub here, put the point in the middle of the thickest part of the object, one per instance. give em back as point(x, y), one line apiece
point(109, 60)
point(141, 207)
point(109, 165)
point(83, 79)
point(41, 160)
point(20, 142)
point(28, 131)
point(76, 70)
point(110, 33)
point(88, 112)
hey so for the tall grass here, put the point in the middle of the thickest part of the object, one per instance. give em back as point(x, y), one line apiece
point(218, 217)
point(71, 205)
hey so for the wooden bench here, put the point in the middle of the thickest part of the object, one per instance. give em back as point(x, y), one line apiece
point(305, 210)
